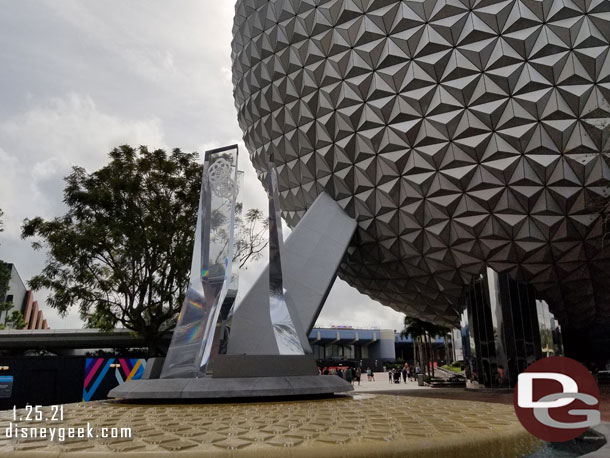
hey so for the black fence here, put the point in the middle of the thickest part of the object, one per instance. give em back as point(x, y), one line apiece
point(40, 380)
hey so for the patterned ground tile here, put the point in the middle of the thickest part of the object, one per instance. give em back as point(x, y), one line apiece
point(371, 426)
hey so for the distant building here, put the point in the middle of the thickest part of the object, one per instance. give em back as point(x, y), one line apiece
point(372, 346)
point(368, 347)
point(23, 300)
point(331, 346)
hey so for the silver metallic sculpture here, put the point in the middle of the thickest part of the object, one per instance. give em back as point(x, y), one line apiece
point(230, 304)
point(193, 342)
point(310, 257)
point(286, 335)
point(460, 134)
point(256, 347)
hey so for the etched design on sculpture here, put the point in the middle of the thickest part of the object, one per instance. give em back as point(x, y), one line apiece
point(220, 178)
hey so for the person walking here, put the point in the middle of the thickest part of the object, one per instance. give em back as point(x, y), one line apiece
point(348, 375)
point(368, 373)
point(358, 375)
point(404, 375)
point(390, 375)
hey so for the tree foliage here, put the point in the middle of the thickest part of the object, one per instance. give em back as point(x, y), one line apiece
point(122, 251)
point(13, 321)
point(422, 333)
point(5, 277)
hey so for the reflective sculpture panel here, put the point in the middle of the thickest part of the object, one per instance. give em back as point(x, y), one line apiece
point(193, 342)
point(223, 326)
point(286, 335)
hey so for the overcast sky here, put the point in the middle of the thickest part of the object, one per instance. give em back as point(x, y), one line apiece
point(78, 77)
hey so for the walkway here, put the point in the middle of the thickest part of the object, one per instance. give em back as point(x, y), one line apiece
point(381, 383)
point(392, 426)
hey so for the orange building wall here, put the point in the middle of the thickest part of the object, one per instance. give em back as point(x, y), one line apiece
point(34, 316)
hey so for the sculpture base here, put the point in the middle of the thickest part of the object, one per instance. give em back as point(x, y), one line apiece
point(245, 366)
point(237, 387)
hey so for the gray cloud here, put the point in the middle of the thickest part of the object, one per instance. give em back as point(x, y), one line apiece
point(80, 77)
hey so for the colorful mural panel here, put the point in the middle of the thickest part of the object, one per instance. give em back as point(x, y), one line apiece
point(103, 374)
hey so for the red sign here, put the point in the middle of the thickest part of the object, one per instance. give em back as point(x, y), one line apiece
point(557, 399)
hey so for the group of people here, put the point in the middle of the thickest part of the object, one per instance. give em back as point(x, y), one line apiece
point(407, 372)
point(353, 375)
point(350, 374)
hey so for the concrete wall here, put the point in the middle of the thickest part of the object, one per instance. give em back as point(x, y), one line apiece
point(23, 300)
point(383, 348)
point(16, 289)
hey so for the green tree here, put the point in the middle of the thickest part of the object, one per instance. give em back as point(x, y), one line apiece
point(13, 321)
point(5, 276)
point(5, 306)
point(414, 328)
point(435, 330)
point(122, 252)
point(423, 333)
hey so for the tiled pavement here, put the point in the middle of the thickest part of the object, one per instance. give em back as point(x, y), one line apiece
point(362, 425)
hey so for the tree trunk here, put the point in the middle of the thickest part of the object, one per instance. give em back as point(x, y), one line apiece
point(153, 343)
point(414, 354)
point(422, 352)
point(420, 357)
point(424, 355)
point(431, 355)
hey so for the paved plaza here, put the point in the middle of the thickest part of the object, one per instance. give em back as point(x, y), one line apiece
point(362, 425)
point(378, 419)
point(381, 386)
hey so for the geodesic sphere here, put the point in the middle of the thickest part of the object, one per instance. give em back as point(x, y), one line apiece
point(458, 133)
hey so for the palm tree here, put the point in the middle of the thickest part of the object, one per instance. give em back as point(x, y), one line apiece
point(415, 328)
point(423, 332)
point(433, 331)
